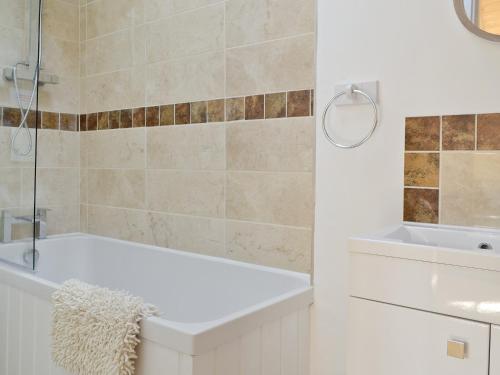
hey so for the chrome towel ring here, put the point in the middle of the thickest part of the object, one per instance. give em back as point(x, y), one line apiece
point(351, 90)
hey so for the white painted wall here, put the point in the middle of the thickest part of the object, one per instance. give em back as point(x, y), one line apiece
point(427, 63)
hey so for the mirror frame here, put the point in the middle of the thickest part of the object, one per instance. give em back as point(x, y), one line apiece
point(469, 25)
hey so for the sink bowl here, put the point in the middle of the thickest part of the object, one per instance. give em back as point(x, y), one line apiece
point(469, 247)
point(447, 270)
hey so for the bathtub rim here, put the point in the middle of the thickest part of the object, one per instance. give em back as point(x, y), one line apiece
point(190, 338)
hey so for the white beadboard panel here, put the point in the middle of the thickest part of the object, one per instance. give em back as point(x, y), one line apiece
point(156, 359)
point(251, 353)
point(227, 358)
point(13, 328)
point(271, 348)
point(204, 364)
point(4, 306)
point(279, 347)
point(304, 342)
point(290, 344)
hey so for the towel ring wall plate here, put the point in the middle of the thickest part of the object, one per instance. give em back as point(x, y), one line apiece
point(351, 90)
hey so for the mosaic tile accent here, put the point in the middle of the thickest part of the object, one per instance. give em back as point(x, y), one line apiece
point(275, 105)
point(459, 132)
point(422, 133)
point(254, 107)
point(167, 114)
point(445, 165)
point(488, 131)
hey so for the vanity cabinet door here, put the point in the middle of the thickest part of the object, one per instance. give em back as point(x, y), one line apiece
point(391, 340)
point(495, 351)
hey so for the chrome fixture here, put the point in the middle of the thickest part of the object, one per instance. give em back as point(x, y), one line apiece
point(8, 220)
point(349, 94)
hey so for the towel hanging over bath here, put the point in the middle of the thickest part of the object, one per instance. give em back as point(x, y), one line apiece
point(95, 330)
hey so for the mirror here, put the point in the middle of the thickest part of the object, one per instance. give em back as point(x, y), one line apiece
point(482, 17)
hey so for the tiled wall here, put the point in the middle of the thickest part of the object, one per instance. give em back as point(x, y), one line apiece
point(451, 165)
point(235, 180)
point(58, 160)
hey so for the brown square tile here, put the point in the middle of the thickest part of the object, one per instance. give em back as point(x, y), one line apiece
point(421, 205)
point(11, 116)
point(276, 105)
point(125, 118)
point(422, 169)
point(138, 117)
point(68, 122)
point(34, 119)
point(312, 103)
point(182, 113)
point(114, 119)
point(235, 109)
point(102, 121)
point(153, 116)
point(299, 103)
point(82, 122)
point(50, 120)
point(167, 114)
point(215, 110)
point(422, 133)
point(92, 121)
point(198, 112)
point(488, 131)
point(459, 132)
point(254, 107)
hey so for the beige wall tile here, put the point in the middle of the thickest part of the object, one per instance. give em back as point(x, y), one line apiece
point(269, 245)
point(84, 180)
point(120, 50)
point(63, 97)
point(61, 57)
point(62, 220)
point(253, 21)
point(186, 192)
point(55, 187)
point(186, 147)
point(120, 223)
point(13, 47)
point(58, 149)
point(104, 16)
point(271, 145)
point(117, 187)
point(277, 198)
point(13, 14)
point(83, 218)
point(6, 157)
point(280, 65)
point(470, 188)
point(10, 187)
point(191, 79)
point(118, 148)
point(117, 90)
point(200, 235)
point(155, 9)
point(61, 20)
point(186, 34)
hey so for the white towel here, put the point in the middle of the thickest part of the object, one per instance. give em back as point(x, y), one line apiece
point(95, 330)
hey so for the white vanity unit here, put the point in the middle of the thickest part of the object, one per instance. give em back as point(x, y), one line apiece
point(425, 300)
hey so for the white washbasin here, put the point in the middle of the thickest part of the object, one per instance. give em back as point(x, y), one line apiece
point(447, 270)
point(462, 246)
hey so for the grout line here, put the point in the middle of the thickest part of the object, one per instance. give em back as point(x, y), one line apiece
point(145, 210)
point(440, 176)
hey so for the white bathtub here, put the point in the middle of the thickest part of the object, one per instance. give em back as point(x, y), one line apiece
point(219, 317)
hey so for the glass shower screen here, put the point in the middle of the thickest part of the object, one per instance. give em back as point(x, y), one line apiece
point(20, 29)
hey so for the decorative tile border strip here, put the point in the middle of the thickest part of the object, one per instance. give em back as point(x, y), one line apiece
point(11, 117)
point(256, 107)
point(425, 139)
